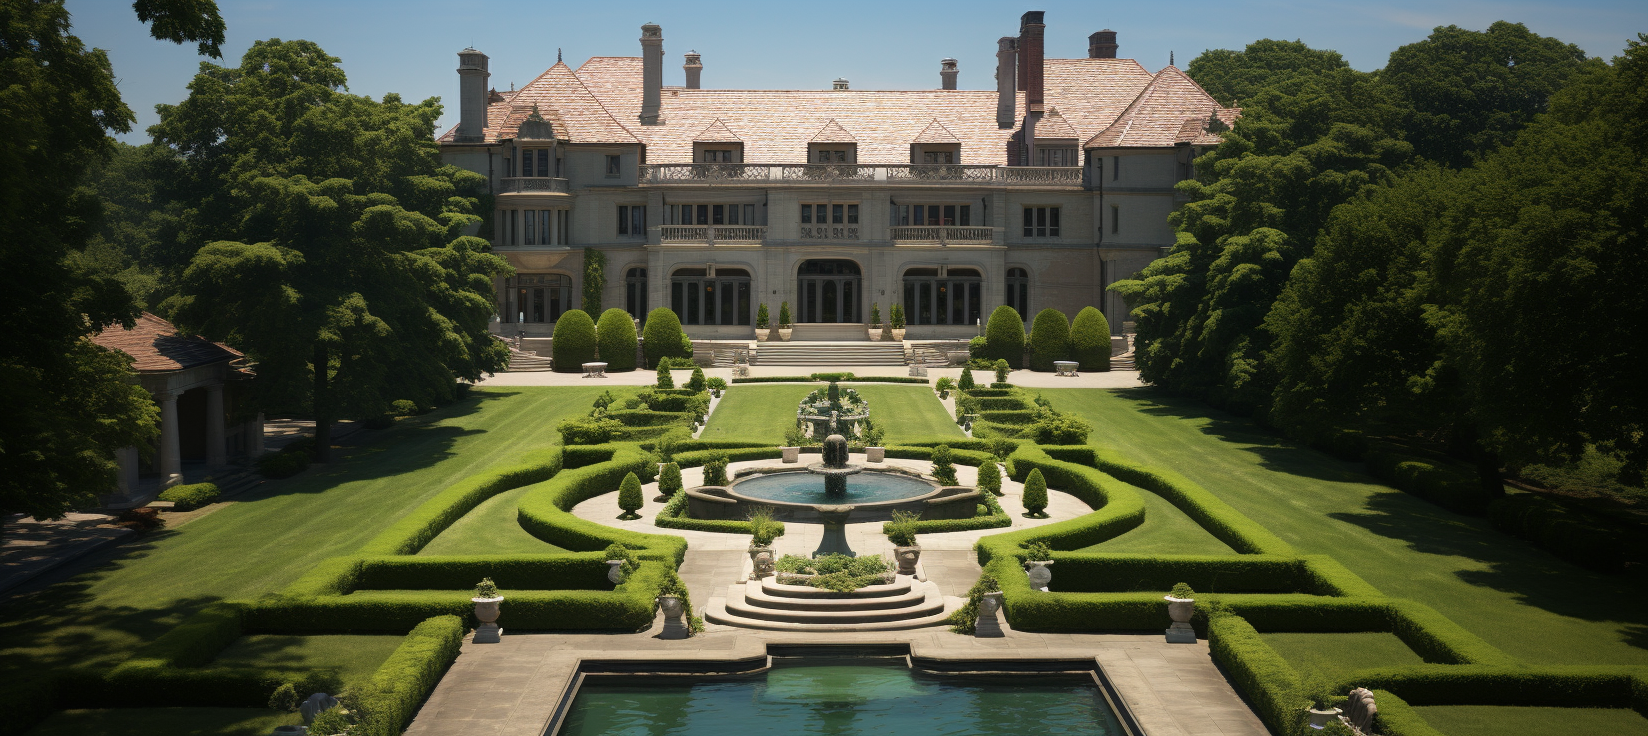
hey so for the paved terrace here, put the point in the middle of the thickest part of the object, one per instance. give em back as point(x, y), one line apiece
point(1021, 378)
point(512, 688)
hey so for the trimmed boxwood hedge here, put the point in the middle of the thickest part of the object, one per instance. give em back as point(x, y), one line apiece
point(638, 418)
point(1442, 483)
point(1004, 336)
point(615, 336)
point(1259, 673)
point(662, 335)
point(191, 496)
point(428, 520)
point(574, 342)
point(1090, 340)
point(1017, 416)
point(1567, 532)
point(401, 684)
point(1049, 339)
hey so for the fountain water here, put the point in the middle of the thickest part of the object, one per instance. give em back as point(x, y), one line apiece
point(835, 467)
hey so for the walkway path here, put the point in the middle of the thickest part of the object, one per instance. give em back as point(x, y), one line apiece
point(1027, 379)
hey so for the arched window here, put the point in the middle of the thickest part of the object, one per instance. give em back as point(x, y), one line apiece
point(538, 297)
point(1018, 291)
point(702, 298)
point(952, 299)
point(828, 290)
point(635, 292)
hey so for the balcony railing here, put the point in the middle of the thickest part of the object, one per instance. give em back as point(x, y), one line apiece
point(896, 174)
point(532, 184)
point(711, 234)
point(943, 234)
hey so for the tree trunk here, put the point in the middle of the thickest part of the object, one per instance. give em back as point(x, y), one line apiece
point(323, 405)
point(1487, 471)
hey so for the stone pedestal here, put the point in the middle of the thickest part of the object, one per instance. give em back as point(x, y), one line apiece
point(486, 610)
point(1180, 633)
point(835, 531)
point(988, 626)
point(675, 625)
point(1180, 610)
point(875, 454)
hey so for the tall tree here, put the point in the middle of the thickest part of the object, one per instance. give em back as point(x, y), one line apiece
point(67, 404)
point(337, 258)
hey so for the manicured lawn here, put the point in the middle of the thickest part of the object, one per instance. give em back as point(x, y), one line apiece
point(1522, 600)
point(150, 721)
point(490, 528)
point(1490, 720)
point(1166, 531)
point(1333, 656)
point(270, 537)
point(355, 657)
point(757, 413)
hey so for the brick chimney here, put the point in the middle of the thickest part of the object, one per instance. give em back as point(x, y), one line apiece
point(947, 74)
point(652, 72)
point(1031, 30)
point(693, 67)
point(1102, 45)
point(1007, 78)
point(472, 95)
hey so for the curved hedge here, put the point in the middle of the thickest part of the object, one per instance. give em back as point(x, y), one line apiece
point(1439, 482)
point(1566, 532)
point(574, 343)
point(1090, 340)
point(663, 335)
point(416, 529)
point(546, 509)
point(1049, 339)
point(1004, 336)
point(615, 336)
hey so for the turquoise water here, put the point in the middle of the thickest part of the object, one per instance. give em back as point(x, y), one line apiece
point(842, 700)
point(803, 487)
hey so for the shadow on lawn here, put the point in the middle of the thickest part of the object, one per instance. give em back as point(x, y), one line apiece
point(1275, 452)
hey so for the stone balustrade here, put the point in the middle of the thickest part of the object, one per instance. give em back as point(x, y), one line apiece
point(712, 234)
point(532, 185)
point(943, 234)
point(890, 174)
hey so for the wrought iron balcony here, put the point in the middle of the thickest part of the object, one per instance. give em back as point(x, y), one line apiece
point(889, 174)
point(712, 234)
point(532, 185)
point(944, 234)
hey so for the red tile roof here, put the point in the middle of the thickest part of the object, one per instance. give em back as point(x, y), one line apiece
point(155, 345)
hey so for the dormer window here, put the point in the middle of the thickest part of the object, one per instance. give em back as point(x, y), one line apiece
point(935, 153)
point(718, 153)
point(1057, 157)
point(938, 157)
point(828, 156)
point(717, 156)
point(537, 162)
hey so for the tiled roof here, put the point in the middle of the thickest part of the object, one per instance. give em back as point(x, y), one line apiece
point(1158, 116)
point(1053, 126)
point(935, 132)
point(718, 132)
point(832, 132)
point(155, 345)
point(563, 100)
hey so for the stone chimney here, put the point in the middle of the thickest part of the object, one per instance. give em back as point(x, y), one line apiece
point(1102, 45)
point(1007, 78)
point(693, 67)
point(652, 72)
point(947, 74)
point(472, 95)
point(839, 84)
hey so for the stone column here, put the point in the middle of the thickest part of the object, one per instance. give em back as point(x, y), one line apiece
point(254, 436)
point(126, 482)
point(217, 454)
point(171, 462)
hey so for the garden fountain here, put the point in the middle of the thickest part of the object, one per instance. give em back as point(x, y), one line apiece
point(835, 470)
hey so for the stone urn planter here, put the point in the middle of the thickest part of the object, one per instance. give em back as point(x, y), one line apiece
point(762, 334)
point(907, 558)
point(755, 554)
point(875, 454)
point(1320, 717)
point(615, 571)
point(674, 626)
point(1180, 609)
point(791, 454)
point(875, 333)
point(486, 611)
point(761, 562)
point(898, 334)
point(987, 625)
point(1040, 576)
point(785, 332)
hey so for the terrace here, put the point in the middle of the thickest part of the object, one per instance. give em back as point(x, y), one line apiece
point(914, 175)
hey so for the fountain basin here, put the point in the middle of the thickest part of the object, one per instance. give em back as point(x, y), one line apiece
point(794, 496)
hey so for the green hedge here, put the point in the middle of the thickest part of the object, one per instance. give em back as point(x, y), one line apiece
point(574, 341)
point(577, 571)
point(992, 518)
point(1117, 508)
point(615, 336)
point(1567, 532)
point(1258, 672)
point(810, 379)
point(1397, 718)
point(190, 497)
point(662, 336)
point(1004, 336)
point(1440, 482)
point(409, 534)
point(545, 508)
point(401, 684)
point(1021, 416)
point(1090, 573)
point(1581, 686)
point(991, 393)
point(1090, 340)
point(1049, 339)
point(774, 379)
point(674, 516)
point(638, 418)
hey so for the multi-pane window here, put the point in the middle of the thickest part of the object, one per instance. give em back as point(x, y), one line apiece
point(718, 156)
point(632, 219)
point(635, 292)
point(612, 165)
point(698, 298)
point(538, 297)
point(536, 227)
point(1018, 291)
point(536, 162)
point(1057, 157)
point(710, 214)
point(833, 221)
point(952, 299)
point(931, 214)
point(830, 156)
point(1041, 222)
point(938, 157)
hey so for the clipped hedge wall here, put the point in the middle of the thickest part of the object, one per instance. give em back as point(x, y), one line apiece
point(1567, 532)
point(545, 508)
point(574, 341)
point(428, 520)
point(1258, 672)
point(576, 571)
point(1439, 482)
point(674, 516)
point(1004, 336)
point(401, 684)
point(1017, 416)
point(638, 418)
point(1049, 339)
point(191, 496)
point(615, 337)
point(1090, 340)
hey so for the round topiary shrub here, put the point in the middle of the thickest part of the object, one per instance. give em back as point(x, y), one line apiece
point(574, 343)
point(663, 336)
point(615, 335)
point(1090, 340)
point(1035, 494)
point(1004, 336)
point(1049, 339)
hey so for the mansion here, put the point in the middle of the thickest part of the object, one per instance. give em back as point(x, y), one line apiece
point(838, 201)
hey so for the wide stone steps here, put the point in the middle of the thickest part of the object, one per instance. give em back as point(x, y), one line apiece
point(904, 604)
point(527, 362)
point(829, 353)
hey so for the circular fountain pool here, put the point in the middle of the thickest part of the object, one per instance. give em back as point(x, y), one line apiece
point(808, 488)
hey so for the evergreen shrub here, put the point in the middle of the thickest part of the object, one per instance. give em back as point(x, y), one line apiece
point(663, 335)
point(1004, 337)
point(629, 497)
point(615, 335)
point(574, 343)
point(190, 497)
point(1049, 339)
point(1035, 493)
point(1090, 340)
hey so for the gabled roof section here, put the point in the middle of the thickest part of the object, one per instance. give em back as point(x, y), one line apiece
point(1053, 126)
point(561, 98)
point(1159, 116)
point(718, 132)
point(536, 128)
point(832, 132)
point(935, 132)
point(156, 346)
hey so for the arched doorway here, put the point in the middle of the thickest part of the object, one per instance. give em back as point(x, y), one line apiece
point(828, 290)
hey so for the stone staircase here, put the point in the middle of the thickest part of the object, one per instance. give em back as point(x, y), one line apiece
point(1123, 363)
point(526, 362)
point(906, 603)
point(830, 332)
point(934, 353)
point(828, 353)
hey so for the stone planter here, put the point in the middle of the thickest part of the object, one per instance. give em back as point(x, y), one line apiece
point(1180, 609)
point(875, 454)
point(757, 561)
point(290, 730)
point(761, 334)
point(674, 626)
point(875, 333)
point(898, 334)
point(486, 611)
point(615, 572)
point(987, 625)
point(907, 558)
point(785, 332)
point(1040, 576)
point(791, 454)
point(1319, 718)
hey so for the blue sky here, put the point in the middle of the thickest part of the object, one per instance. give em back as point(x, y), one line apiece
point(409, 46)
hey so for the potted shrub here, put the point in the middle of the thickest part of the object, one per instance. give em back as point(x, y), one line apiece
point(673, 601)
point(763, 530)
point(875, 321)
point(1324, 708)
point(943, 386)
point(620, 563)
point(1181, 603)
point(791, 451)
point(716, 386)
point(761, 323)
point(897, 321)
point(486, 602)
point(1037, 558)
point(784, 327)
point(901, 531)
point(874, 451)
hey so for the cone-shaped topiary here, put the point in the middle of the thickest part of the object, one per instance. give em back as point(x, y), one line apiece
point(615, 334)
point(1004, 336)
point(663, 336)
point(966, 383)
point(629, 497)
point(1049, 339)
point(761, 317)
point(574, 343)
point(944, 469)
point(665, 380)
point(783, 315)
point(696, 382)
point(989, 478)
point(669, 481)
point(1090, 340)
point(1035, 494)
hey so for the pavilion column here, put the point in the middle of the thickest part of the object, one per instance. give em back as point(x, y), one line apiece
point(217, 453)
point(254, 437)
point(126, 482)
point(171, 461)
